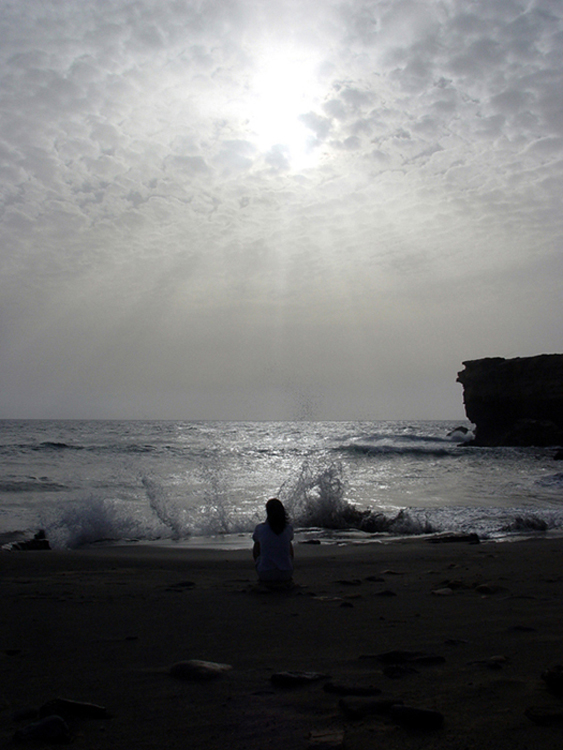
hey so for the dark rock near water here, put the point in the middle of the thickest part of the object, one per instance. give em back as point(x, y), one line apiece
point(39, 542)
point(515, 402)
point(32, 544)
point(448, 538)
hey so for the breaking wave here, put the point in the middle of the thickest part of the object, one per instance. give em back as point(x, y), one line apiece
point(93, 520)
point(407, 445)
point(314, 496)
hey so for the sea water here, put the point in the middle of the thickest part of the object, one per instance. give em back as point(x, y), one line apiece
point(206, 483)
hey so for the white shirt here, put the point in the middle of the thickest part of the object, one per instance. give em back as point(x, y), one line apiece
point(274, 548)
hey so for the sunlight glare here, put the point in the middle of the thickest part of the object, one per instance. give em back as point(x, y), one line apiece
point(285, 87)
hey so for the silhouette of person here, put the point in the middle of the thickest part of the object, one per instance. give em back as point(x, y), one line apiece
point(273, 548)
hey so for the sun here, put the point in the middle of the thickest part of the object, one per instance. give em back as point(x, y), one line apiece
point(285, 87)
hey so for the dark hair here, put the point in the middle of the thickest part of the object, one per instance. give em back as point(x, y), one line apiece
point(276, 515)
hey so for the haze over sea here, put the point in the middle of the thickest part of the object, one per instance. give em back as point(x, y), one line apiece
point(205, 483)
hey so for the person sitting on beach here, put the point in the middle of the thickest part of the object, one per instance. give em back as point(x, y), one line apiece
point(273, 548)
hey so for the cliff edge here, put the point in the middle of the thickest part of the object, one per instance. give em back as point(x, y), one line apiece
point(515, 402)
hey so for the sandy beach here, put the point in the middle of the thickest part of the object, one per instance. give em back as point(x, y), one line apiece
point(472, 628)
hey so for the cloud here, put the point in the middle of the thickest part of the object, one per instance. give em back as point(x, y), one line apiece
point(197, 195)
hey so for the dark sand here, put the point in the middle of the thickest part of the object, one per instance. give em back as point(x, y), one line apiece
point(105, 625)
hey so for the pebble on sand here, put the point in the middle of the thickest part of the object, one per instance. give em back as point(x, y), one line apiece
point(198, 670)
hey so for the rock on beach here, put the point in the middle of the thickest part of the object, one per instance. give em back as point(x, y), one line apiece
point(198, 670)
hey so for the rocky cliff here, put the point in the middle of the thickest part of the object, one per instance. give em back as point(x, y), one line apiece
point(515, 401)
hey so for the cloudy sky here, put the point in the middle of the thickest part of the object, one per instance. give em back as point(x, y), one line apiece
point(231, 209)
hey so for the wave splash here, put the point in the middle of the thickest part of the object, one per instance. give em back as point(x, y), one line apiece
point(314, 496)
point(92, 520)
point(211, 515)
point(315, 499)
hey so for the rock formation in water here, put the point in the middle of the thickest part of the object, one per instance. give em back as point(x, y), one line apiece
point(515, 401)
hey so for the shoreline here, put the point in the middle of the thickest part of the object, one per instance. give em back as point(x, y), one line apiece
point(239, 541)
point(104, 625)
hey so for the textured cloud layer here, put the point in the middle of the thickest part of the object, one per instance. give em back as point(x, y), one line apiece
point(274, 209)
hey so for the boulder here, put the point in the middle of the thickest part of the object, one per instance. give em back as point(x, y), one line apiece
point(514, 402)
point(39, 541)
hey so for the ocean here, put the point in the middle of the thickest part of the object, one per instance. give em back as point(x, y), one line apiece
point(206, 483)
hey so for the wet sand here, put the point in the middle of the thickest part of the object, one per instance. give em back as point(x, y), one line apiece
point(105, 625)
